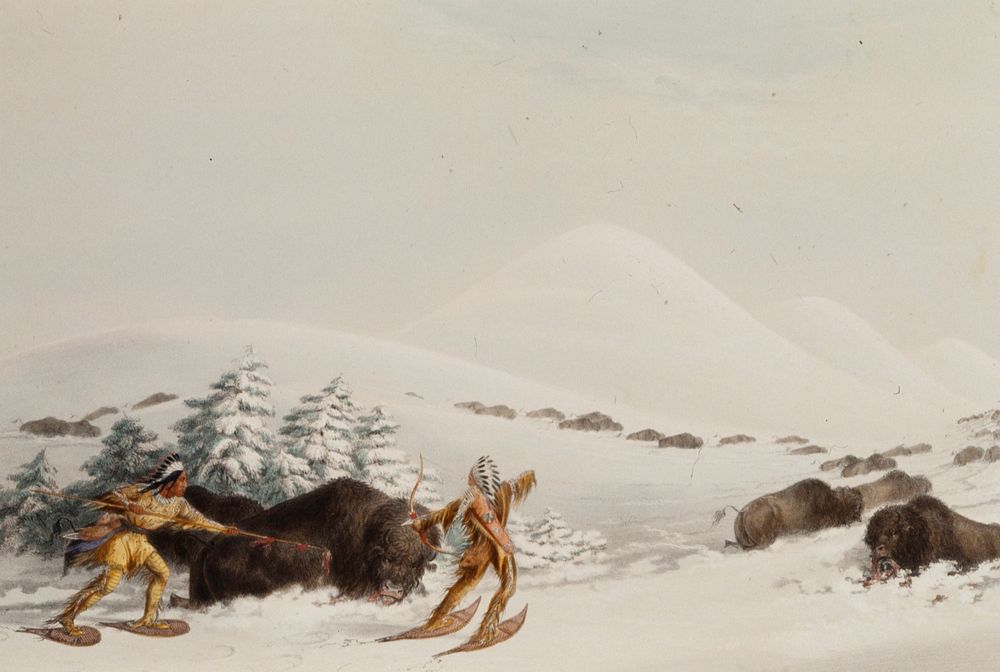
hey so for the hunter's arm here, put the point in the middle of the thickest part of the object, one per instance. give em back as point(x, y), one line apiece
point(515, 490)
point(193, 518)
point(443, 517)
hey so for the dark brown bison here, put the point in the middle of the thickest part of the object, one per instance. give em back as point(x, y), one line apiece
point(896, 486)
point(372, 554)
point(805, 506)
point(913, 535)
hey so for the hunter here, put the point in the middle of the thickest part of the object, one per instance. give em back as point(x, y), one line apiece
point(483, 510)
point(117, 541)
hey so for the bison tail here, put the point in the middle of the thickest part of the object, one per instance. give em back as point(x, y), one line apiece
point(721, 513)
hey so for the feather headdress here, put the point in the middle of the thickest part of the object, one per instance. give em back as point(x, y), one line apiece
point(167, 471)
point(486, 476)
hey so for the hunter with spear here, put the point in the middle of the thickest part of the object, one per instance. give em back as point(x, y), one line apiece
point(117, 541)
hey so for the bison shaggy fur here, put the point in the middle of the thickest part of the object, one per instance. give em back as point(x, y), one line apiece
point(806, 506)
point(925, 530)
point(361, 527)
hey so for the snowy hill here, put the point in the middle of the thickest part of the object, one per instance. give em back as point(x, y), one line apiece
point(841, 338)
point(603, 310)
point(963, 368)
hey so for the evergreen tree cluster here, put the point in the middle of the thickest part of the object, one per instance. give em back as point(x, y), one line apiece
point(228, 448)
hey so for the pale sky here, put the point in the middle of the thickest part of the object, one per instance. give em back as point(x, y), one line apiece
point(355, 165)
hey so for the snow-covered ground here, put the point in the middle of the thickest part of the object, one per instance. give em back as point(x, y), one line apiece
point(665, 594)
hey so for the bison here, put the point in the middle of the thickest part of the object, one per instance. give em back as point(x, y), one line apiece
point(913, 535)
point(370, 553)
point(806, 506)
point(896, 486)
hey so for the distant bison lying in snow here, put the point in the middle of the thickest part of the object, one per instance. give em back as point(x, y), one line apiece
point(913, 535)
point(896, 486)
point(874, 462)
point(372, 554)
point(969, 454)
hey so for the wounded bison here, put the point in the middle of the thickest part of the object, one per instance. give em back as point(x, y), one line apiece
point(805, 506)
point(371, 554)
point(913, 535)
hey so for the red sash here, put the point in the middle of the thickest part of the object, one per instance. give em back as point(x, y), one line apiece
point(484, 513)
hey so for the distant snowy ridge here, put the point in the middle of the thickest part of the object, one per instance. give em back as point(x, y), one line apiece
point(841, 338)
point(610, 313)
point(963, 368)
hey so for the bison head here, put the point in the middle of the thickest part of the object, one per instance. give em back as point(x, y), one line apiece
point(397, 561)
point(899, 534)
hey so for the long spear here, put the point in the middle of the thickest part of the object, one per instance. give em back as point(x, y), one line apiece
point(264, 539)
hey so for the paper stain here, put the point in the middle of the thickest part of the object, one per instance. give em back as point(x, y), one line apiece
point(978, 267)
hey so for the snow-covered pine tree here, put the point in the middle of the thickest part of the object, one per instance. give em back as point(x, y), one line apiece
point(127, 456)
point(238, 456)
point(382, 465)
point(196, 432)
point(27, 524)
point(285, 476)
point(550, 541)
point(321, 431)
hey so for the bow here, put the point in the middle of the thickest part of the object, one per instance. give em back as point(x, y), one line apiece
point(413, 493)
point(413, 513)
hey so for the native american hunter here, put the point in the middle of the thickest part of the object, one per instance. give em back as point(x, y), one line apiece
point(483, 511)
point(117, 540)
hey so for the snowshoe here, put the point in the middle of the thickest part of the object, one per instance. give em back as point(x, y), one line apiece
point(174, 628)
point(505, 630)
point(453, 622)
point(88, 637)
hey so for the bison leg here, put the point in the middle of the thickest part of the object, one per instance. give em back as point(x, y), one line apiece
point(178, 602)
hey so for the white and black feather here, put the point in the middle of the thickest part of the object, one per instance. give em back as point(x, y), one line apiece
point(487, 477)
point(169, 465)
